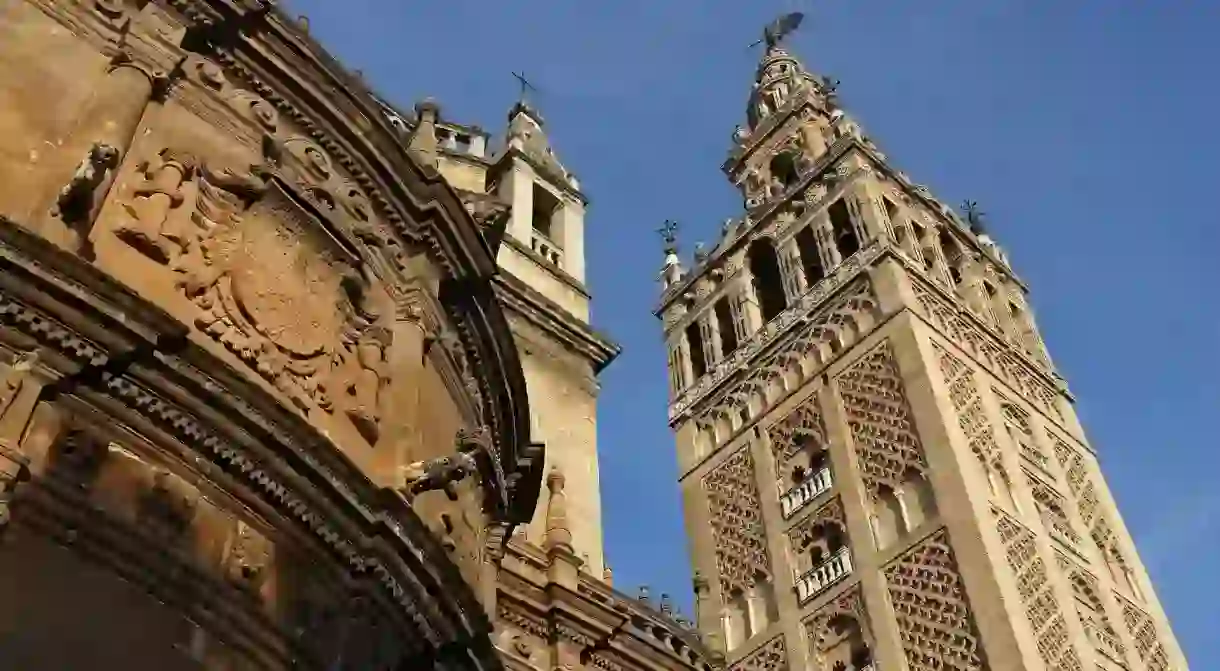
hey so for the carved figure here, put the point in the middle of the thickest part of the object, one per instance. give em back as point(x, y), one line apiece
point(150, 229)
point(439, 474)
point(247, 558)
point(14, 380)
point(76, 198)
point(365, 387)
point(168, 506)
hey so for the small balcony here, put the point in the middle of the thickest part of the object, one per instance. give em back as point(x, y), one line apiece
point(818, 579)
point(800, 495)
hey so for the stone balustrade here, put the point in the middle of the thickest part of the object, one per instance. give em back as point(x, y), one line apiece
point(799, 496)
point(816, 580)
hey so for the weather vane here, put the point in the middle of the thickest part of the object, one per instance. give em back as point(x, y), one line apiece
point(974, 216)
point(526, 86)
point(669, 234)
point(777, 30)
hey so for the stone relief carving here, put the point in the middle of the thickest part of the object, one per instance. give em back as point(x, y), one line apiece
point(77, 197)
point(15, 379)
point(1047, 618)
point(989, 350)
point(771, 656)
point(1147, 641)
point(168, 505)
point(737, 526)
point(935, 621)
point(968, 403)
point(248, 557)
point(366, 356)
point(879, 417)
point(152, 226)
point(13, 462)
point(276, 285)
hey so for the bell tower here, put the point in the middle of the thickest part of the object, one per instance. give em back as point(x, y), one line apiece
point(881, 467)
point(542, 258)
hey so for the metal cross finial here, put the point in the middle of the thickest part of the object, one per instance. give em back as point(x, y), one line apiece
point(669, 232)
point(525, 85)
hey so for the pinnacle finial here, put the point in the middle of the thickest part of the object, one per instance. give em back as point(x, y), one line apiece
point(558, 533)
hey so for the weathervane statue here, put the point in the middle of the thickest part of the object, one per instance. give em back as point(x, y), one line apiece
point(777, 30)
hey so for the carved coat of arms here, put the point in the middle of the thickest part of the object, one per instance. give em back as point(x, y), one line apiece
point(274, 283)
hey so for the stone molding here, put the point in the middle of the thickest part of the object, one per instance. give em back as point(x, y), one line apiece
point(115, 357)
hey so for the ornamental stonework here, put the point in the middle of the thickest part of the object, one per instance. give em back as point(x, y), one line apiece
point(886, 442)
point(737, 526)
point(935, 620)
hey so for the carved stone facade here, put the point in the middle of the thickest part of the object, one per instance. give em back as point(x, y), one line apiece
point(863, 361)
point(260, 407)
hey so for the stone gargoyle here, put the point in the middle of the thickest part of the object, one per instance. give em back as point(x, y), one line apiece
point(439, 474)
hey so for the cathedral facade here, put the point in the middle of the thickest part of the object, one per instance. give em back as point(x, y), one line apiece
point(260, 405)
point(881, 468)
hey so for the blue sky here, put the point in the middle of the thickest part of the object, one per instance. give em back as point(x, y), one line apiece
point(1085, 129)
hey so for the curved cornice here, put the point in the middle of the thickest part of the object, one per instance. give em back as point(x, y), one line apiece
point(108, 347)
point(306, 84)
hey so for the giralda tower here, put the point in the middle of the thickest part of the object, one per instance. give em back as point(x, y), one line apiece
point(881, 468)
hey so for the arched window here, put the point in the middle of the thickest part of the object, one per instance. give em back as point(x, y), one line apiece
point(844, 230)
point(783, 169)
point(811, 261)
point(727, 327)
point(768, 283)
point(953, 256)
point(698, 359)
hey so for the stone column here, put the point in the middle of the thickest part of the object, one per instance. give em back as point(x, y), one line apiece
point(99, 143)
point(749, 302)
point(865, 220)
point(824, 232)
point(794, 269)
point(19, 397)
point(715, 342)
